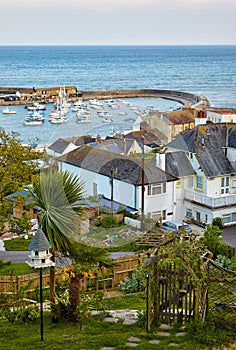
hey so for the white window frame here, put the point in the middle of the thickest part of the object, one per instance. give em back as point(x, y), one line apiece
point(156, 189)
point(225, 185)
point(197, 187)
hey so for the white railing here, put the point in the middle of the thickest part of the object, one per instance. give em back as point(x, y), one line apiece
point(209, 201)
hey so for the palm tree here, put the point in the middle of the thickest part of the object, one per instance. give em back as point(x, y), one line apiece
point(86, 259)
point(57, 194)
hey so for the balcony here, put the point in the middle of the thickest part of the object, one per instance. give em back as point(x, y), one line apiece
point(209, 202)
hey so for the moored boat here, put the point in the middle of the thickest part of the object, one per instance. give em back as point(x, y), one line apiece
point(8, 111)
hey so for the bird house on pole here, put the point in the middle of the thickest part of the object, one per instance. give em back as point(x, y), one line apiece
point(40, 254)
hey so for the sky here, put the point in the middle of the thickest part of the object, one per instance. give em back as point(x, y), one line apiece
point(117, 22)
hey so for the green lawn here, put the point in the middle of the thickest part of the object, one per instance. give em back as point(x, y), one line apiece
point(17, 243)
point(94, 335)
point(135, 301)
point(15, 269)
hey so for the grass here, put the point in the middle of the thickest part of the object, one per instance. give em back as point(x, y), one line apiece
point(120, 301)
point(15, 269)
point(94, 335)
point(17, 244)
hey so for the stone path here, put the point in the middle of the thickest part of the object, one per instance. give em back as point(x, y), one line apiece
point(129, 317)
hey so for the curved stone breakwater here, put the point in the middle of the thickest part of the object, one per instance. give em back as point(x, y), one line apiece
point(17, 95)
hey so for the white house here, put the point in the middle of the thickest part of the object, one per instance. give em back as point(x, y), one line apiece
point(60, 146)
point(121, 178)
point(211, 191)
point(221, 115)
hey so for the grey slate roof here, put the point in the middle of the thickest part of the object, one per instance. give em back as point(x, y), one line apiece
point(59, 145)
point(39, 242)
point(177, 164)
point(128, 169)
point(208, 142)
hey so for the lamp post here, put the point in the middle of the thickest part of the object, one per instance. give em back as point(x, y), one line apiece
point(40, 258)
point(147, 301)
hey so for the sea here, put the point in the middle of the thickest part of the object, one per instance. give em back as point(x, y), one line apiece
point(206, 70)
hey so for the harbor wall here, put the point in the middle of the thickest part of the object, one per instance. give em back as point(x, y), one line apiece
point(45, 94)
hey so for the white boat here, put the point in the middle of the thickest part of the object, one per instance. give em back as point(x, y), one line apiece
point(35, 115)
point(83, 120)
point(36, 107)
point(57, 120)
point(32, 122)
point(8, 111)
point(107, 120)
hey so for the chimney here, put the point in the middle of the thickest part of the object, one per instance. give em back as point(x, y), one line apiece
point(99, 139)
point(161, 160)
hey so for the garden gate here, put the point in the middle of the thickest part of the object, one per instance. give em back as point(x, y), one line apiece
point(184, 284)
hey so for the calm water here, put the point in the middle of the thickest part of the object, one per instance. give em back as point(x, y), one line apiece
point(207, 70)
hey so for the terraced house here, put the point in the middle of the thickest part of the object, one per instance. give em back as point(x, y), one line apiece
point(120, 179)
point(210, 191)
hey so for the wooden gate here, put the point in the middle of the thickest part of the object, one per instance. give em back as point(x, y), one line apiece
point(175, 296)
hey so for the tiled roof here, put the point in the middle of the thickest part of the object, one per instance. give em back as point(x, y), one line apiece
point(180, 117)
point(222, 110)
point(39, 242)
point(178, 164)
point(59, 145)
point(208, 142)
point(128, 169)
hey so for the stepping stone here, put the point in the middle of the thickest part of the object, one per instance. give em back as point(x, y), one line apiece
point(111, 319)
point(164, 334)
point(165, 326)
point(173, 344)
point(134, 339)
point(154, 341)
point(132, 344)
point(181, 334)
point(107, 348)
point(128, 322)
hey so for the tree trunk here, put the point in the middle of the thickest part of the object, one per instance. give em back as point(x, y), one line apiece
point(52, 289)
point(74, 290)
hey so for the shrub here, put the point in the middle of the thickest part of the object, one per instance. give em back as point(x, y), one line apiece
point(109, 221)
point(218, 222)
point(136, 282)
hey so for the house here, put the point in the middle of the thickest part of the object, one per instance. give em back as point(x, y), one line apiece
point(221, 115)
point(171, 124)
point(23, 204)
point(65, 145)
point(119, 145)
point(211, 191)
point(149, 138)
point(60, 146)
point(120, 179)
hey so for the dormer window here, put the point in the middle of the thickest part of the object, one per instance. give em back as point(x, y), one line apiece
point(36, 253)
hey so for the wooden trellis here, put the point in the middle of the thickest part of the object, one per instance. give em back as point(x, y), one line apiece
point(182, 286)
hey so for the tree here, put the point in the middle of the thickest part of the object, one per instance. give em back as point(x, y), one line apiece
point(16, 163)
point(17, 166)
point(57, 195)
point(86, 260)
point(212, 240)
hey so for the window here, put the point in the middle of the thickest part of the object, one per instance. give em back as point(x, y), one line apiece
point(224, 186)
point(189, 213)
point(233, 188)
point(199, 182)
point(95, 189)
point(178, 183)
point(190, 181)
point(156, 189)
point(229, 218)
point(156, 215)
